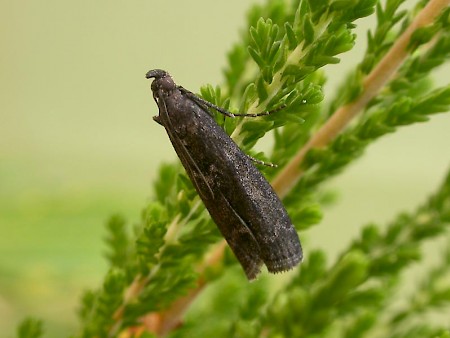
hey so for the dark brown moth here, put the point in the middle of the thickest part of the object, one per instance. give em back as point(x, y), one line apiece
point(239, 199)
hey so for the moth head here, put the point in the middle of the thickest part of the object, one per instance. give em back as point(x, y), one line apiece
point(163, 81)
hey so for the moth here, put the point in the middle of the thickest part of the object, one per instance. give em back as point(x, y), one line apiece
point(239, 199)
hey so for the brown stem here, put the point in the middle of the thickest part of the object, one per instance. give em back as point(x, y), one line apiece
point(163, 322)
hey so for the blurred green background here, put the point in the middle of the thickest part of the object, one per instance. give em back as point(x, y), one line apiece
point(77, 140)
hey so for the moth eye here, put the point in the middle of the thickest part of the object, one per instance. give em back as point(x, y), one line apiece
point(167, 84)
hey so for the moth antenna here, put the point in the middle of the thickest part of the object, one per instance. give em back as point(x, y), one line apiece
point(223, 111)
point(201, 101)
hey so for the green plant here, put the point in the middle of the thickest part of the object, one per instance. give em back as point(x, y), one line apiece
point(175, 253)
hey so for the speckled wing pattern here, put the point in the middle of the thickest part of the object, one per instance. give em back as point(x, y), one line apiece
point(239, 199)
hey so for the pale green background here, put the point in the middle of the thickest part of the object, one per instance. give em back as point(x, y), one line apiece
point(77, 140)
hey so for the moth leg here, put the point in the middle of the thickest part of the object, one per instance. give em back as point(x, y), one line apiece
point(157, 118)
point(195, 179)
point(267, 164)
point(189, 162)
point(155, 97)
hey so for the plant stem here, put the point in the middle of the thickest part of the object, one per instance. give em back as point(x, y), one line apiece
point(380, 75)
point(165, 321)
